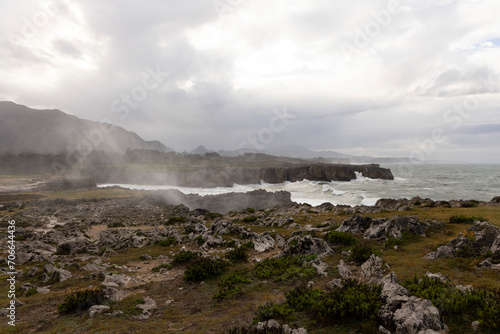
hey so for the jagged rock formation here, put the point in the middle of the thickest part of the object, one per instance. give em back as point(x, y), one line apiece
point(405, 313)
point(305, 245)
point(484, 237)
point(382, 228)
point(227, 176)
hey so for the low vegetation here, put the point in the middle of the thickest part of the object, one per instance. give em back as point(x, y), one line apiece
point(81, 300)
point(204, 268)
point(459, 308)
point(353, 302)
point(465, 219)
point(340, 238)
point(285, 269)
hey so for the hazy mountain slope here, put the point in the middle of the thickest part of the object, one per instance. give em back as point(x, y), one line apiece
point(52, 131)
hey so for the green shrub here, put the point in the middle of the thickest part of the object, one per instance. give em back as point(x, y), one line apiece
point(250, 210)
point(175, 220)
point(361, 253)
point(465, 251)
point(228, 285)
point(274, 311)
point(81, 299)
point(342, 238)
point(213, 215)
point(230, 243)
point(458, 308)
point(353, 302)
point(284, 269)
point(30, 292)
point(63, 249)
point(134, 310)
point(303, 298)
point(204, 268)
point(170, 241)
point(199, 240)
point(238, 254)
point(465, 220)
point(185, 257)
point(249, 219)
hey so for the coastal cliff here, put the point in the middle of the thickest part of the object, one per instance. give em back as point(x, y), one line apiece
point(227, 176)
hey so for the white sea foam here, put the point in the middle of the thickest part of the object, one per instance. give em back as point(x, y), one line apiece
point(480, 182)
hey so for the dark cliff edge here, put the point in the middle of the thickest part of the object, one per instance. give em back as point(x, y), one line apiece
point(227, 176)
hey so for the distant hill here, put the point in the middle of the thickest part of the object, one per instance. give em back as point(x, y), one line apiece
point(201, 150)
point(26, 130)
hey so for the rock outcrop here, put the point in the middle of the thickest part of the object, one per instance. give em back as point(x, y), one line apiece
point(394, 228)
point(483, 237)
point(382, 228)
point(227, 176)
point(305, 245)
point(405, 313)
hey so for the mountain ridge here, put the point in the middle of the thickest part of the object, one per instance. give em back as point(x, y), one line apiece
point(52, 131)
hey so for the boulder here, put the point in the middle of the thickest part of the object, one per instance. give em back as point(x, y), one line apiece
point(344, 272)
point(320, 266)
point(356, 224)
point(372, 271)
point(147, 308)
point(115, 281)
point(262, 242)
point(34, 251)
point(74, 246)
point(486, 238)
point(51, 273)
point(305, 245)
point(97, 309)
point(405, 313)
point(336, 283)
point(438, 276)
point(394, 228)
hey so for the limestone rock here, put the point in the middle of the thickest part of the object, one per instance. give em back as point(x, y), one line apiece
point(356, 224)
point(320, 266)
point(408, 314)
point(372, 271)
point(305, 245)
point(97, 309)
point(394, 228)
point(51, 273)
point(336, 283)
point(439, 276)
point(147, 308)
point(486, 238)
point(343, 270)
point(262, 242)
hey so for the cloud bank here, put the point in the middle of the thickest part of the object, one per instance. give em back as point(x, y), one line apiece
point(382, 78)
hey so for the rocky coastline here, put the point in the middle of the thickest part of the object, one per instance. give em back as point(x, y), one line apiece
point(228, 176)
point(126, 247)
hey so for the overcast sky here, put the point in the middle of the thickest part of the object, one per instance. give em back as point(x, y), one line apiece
point(414, 78)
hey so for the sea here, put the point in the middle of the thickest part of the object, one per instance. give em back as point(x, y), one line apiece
point(430, 180)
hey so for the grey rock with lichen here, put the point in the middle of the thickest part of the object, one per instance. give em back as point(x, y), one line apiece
point(372, 271)
point(305, 245)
